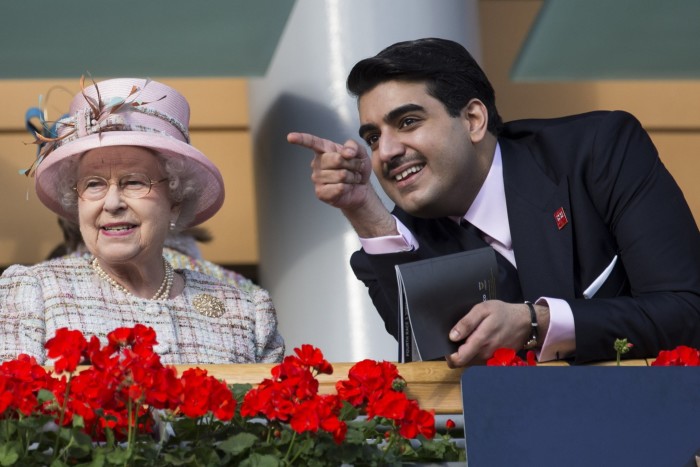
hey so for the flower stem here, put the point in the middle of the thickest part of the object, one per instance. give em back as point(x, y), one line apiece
point(132, 427)
point(389, 444)
point(621, 347)
point(61, 416)
point(291, 443)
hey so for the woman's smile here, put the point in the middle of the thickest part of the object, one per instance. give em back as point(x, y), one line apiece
point(120, 229)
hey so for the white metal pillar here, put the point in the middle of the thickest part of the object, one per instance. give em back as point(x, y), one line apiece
point(305, 245)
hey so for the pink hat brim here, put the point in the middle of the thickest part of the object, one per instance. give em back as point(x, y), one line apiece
point(205, 173)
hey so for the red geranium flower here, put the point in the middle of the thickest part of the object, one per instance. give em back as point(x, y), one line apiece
point(23, 378)
point(117, 398)
point(195, 392)
point(417, 421)
point(221, 401)
point(66, 347)
point(680, 356)
point(120, 337)
point(508, 357)
point(312, 357)
point(305, 416)
point(329, 408)
point(367, 378)
point(144, 341)
point(5, 395)
point(351, 391)
point(389, 404)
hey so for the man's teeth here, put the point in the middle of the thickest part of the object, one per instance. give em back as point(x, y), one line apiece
point(119, 227)
point(407, 172)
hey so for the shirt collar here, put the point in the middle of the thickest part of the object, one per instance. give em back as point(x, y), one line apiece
point(489, 212)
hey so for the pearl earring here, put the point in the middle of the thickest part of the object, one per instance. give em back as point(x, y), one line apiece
point(172, 225)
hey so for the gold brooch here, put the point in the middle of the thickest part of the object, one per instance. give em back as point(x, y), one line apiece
point(209, 306)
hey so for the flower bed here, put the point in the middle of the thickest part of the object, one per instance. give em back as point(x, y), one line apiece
point(126, 408)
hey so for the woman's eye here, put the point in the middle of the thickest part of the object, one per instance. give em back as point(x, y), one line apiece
point(94, 184)
point(133, 183)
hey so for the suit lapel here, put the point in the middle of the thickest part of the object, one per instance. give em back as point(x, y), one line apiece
point(533, 198)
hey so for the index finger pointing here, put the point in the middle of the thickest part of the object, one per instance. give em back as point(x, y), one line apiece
point(316, 144)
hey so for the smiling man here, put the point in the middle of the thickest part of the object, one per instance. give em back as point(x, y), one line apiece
point(594, 238)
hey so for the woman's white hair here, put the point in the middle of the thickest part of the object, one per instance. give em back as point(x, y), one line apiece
point(182, 188)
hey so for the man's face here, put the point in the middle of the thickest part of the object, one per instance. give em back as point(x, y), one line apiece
point(425, 160)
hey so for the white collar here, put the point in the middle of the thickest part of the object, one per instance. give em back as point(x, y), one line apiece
point(489, 211)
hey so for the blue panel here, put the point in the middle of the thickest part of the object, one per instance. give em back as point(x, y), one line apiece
point(604, 39)
point(581, 416)
point(155, 38)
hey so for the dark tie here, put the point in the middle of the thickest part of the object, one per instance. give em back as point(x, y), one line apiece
point(508, 287)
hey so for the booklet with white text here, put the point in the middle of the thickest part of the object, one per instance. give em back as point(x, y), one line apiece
point(435, 293)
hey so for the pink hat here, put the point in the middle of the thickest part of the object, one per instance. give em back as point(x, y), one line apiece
point(128, 112)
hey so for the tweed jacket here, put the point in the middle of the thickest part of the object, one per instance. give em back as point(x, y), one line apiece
point(35, 301)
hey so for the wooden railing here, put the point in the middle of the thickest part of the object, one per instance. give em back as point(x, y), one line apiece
point(433, 384)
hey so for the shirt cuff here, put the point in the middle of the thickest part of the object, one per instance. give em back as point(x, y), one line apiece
point(560, 341)
point(390, 243)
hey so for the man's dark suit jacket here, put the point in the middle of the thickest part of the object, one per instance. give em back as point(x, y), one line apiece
point(619, 199)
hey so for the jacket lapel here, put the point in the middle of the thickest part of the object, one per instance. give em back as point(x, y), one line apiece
point(543, 250)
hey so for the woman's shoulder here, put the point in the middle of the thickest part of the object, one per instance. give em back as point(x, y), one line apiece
point(52, 277)
point(182, 261)
point(198, 281)
point(65, 265)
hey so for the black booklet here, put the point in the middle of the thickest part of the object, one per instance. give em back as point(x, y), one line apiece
point(435, 293)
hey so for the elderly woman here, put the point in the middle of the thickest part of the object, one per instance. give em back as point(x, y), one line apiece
point(122, 167)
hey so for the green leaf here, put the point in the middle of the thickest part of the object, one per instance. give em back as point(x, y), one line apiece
point(441, 448)
point(355, 436)
point(81, 446)
point(119, 456)
point(78, 421)
point(239, 443)
point(9, 454)
point(348, 411)
point(240, 390)
point(304, 446)
point(98, 460)
point(171, 459)
point(45, 395)
point(261, 460)
point(286, 436)
point(7, 428)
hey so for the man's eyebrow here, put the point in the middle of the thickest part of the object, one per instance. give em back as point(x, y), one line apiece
point(399, 111)
point(392, 116)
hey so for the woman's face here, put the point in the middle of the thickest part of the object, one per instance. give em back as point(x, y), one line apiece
point(116, 228)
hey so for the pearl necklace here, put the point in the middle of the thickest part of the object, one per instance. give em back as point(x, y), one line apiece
point(163, 292)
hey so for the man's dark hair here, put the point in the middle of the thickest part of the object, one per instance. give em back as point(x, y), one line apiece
point(450, 73)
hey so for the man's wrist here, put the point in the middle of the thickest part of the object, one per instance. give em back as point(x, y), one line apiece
point(533, 339)
point(371, 220)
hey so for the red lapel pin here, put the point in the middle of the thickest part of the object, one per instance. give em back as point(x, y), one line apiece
point(560, 217)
